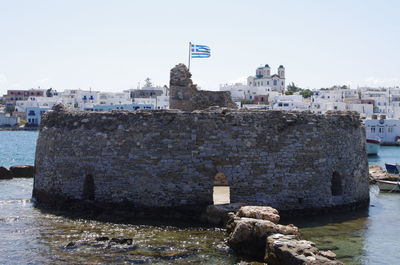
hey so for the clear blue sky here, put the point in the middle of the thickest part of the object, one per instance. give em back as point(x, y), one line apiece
point(113, 45)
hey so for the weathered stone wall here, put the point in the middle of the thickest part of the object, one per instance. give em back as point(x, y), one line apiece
point(185, 96)
point(164, 158)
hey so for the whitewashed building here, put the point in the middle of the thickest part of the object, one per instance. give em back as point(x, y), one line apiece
point(79, 99)
point(45, 102)
point(109, 98)
point(157, 96)
point(365, 110)
point(386, 130)
point(290, 102)
point(7, 120)
point(34, 115)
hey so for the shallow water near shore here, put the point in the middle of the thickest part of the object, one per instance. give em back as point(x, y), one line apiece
point(30, 236)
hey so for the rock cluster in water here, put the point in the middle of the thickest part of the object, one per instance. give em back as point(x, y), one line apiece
point(21, 171)
point(255, 232)
point(378, 173)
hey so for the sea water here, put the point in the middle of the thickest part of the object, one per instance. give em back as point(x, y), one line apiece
point(31, 236)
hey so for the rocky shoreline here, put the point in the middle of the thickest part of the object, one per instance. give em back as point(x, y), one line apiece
point(255, 233)
point(19, 171)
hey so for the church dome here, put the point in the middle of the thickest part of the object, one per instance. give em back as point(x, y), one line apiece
point(266, 65)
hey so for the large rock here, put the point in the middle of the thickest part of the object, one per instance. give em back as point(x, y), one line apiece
point(289, 250)
point(259, 212)
point(22, 171)
point(249, 235)
point(219, 214)
point(5, 173)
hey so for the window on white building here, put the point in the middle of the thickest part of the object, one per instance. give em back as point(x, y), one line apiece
point(390, 129)
point(275, 82)
point(381, 130)
point(373, 129)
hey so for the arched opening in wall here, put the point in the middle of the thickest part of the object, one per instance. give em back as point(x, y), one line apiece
point(336, 184)
point(221, 194)
point(88, 188)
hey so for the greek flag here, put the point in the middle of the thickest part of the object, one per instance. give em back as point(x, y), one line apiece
point(200, 51)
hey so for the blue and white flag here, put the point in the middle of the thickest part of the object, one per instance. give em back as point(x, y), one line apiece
point(200, 51)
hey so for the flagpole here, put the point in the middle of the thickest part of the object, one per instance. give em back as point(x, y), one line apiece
point(190, 53)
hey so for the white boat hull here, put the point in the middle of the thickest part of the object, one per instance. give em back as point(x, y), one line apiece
point(385, 185)
point(373, 148)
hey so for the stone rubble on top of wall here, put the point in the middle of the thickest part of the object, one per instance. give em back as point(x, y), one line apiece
point(180, 76)
point(184, 95)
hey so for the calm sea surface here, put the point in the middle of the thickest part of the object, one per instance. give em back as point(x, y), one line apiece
point(29, 236)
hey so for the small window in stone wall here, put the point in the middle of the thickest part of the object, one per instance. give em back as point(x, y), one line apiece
point(88, 188)
point(221, 190)
point(336, 184)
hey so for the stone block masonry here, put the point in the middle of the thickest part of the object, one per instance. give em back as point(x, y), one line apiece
point(168, 158)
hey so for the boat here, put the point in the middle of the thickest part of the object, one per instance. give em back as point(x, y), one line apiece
point(390, 168)
point(387, 185)
point(373, 146)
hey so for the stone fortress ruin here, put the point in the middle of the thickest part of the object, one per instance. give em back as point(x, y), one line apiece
point(167, 159)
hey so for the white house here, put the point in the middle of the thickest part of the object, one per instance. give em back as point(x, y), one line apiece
point(7, 120)
point(157, 96)
point(45, 102)
point(109, 98)
point(79, 99)
point(386, 130)
point(34, 115)
point(290, 102)
point(365, 110)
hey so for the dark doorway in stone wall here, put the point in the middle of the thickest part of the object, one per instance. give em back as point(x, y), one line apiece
point(221, 190)
point(336, 184)
point(88, 188)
